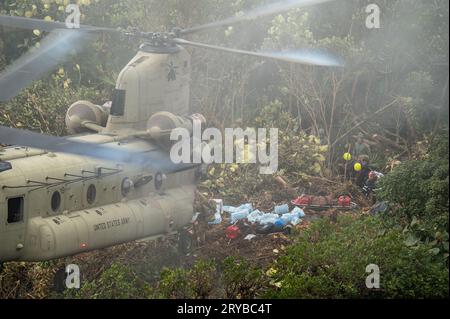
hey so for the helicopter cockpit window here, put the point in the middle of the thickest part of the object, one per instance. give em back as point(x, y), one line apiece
point(118, 102)
point(4, 166)
point(15, 210)
point(56, 201)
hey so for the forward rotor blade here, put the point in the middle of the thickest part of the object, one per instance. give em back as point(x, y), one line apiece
point(43, 25)
point(38, 61)
point(308, 57)
point(157, 160)
point(270, 9)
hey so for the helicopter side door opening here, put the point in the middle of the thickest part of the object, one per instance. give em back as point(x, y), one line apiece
point(15, 210)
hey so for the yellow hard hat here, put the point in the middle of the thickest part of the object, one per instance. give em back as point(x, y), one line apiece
point(357, 167)
point(347, 156)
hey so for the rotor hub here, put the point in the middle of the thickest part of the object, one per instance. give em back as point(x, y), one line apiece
point(156, 42)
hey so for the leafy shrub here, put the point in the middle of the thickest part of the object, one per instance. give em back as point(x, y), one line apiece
point(418, 193)
point(330, 260)
point(116, 282)
point(203, 277)
point(234, 278)
point(299, 155)
point(241, 279)
point(197, 282)
point(174, 283)
point(42, 106)
point(298, 151)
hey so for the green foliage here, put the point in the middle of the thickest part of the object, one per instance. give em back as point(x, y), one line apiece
point(418, 193)
point(416, 91)
point(197, 282)
point(174, 283)
point(234, 278)
point(375, 64)
point(299, 151)
point(241, 279)
point(412, 185)
point(439, 147)
point(97, 61)
point(330, 259)
point(43, 106)
point(203, 277)
point(116, 282)
point(300, 154)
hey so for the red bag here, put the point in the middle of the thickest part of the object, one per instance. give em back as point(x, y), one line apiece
point(303, 200)
point(232, 232)
point(344, 200)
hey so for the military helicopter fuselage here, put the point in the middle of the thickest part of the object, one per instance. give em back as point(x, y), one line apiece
point(57, 204)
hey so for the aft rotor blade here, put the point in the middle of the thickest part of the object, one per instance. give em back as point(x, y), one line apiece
point(38, 61)
point(43, 25)
point(308, 57)
point(269, 9)
point(157, 160)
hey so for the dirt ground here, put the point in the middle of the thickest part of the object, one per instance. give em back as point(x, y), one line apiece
point(264, 248)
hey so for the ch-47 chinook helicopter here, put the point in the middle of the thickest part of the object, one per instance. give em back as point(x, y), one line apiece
point(113, 180)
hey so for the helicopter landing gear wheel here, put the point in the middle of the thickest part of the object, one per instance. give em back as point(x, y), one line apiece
point(185, 242)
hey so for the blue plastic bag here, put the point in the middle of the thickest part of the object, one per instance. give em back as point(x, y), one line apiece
point(281, 209)
point(238, 215)
point(254, 216)
point(233, 209)
point(298, 211)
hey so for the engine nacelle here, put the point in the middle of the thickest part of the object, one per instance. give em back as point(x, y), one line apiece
point(161, 124)
point(81, 113)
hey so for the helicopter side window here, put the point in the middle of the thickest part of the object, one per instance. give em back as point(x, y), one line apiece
point(91, 194)
point(55, 201)
point(15, 210)
point(118, 102)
